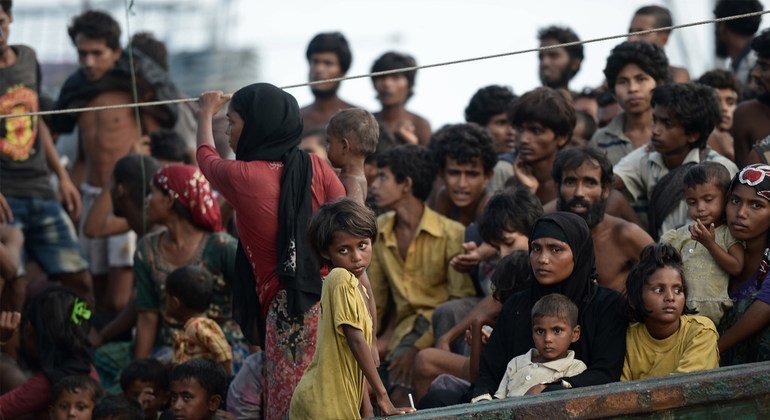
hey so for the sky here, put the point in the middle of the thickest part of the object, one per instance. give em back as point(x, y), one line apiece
point(432, 31)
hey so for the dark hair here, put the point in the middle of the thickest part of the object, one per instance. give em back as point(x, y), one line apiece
point(411, 161)
point(75, 383)
point(510, 210)
point(6, 5)
point(62, 343)
point(648, 56)
point(168, 145)
point(694, 106)
point(721, 79)
point(96, 24)
point(571, 159)
point(393, 60)
point(344, 215)
point(761, 44)
point(145, 370)
point(464, 143)
point(117, 407)
point(746, 26)
point(661, 14)
point(176, 206)
point(333, 42)
point(704, 172)
point(210, 376)
point(488, 102)
point(357, 126)
point(151, 47)
point(192, 285)
point(563, 35)
point(589, 124)
point(545, 106)
point(135, 171)
point(511, 275)
point(652, 258)
point(558, 306)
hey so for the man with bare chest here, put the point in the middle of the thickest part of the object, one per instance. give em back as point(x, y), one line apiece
point(105, 137)
point(328, 55)
point(584, 176)
point(751, 120)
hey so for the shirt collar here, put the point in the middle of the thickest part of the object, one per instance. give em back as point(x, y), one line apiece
point(430, 223)
point(692, 156)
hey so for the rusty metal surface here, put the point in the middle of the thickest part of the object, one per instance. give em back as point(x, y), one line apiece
point(729, 393)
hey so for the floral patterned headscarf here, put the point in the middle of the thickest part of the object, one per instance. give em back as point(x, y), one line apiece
point(187, 185)
point(757, 176)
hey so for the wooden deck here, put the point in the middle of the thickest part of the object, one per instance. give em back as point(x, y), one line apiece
point(735, 393)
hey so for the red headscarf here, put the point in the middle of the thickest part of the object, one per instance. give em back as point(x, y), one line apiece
point(187, 185)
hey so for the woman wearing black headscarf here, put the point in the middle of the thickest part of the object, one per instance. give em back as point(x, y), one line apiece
point(562, 260)
point(274, 188)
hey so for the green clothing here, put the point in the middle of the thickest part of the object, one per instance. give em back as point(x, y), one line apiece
point(216, 253)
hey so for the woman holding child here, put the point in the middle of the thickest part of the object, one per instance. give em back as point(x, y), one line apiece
point(562, 260)
point(278, 276)
point(181, 200)
point(746, 326)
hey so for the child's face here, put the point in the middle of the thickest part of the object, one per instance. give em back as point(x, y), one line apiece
point(705, 202)
point(553, 336)
point(663, 296)
point(668, 135)
point(159, 397)
point(335, 149)
point(633, 88)
point(190, 401)
point(77, 404)
point(512, 241)
point(350, 252)
point(465, 182)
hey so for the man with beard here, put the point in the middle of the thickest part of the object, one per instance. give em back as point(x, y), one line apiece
point(329, 57)
point(751, 120)
point(584, 176)
point(559, 65)
point(733, 37)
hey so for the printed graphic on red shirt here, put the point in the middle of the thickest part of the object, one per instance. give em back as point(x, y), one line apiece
point(17, 135)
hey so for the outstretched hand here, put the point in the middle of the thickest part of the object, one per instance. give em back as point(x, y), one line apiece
point(212, 102)
point(524, 175)
point(466, 262)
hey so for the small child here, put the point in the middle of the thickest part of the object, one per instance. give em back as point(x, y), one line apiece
point(198, 387)
point(665, 339)
point(146, 381)
point(188, 294)
point(554, 328)
point(74, 397)
point(333, 386)
point(708, 267)
point(352, 135)
point(118, 407)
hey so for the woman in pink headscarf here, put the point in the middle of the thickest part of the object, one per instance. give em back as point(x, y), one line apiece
point(181, 200)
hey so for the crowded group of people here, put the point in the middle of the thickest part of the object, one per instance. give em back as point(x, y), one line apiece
point(245, 257)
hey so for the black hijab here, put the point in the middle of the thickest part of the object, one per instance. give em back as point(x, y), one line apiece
point(271, 131)
point(567, 227)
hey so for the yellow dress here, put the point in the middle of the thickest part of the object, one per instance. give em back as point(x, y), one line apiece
point(691, 348)
point(333, 385)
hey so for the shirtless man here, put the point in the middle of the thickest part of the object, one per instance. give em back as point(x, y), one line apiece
point(729, 90)
point(328, 55)
point(104, 137)
point(393, 91)
point(751, 120)
point(653, 17)
point(584, 176)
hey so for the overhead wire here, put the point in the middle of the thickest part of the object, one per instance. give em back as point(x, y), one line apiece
point(405, 69)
